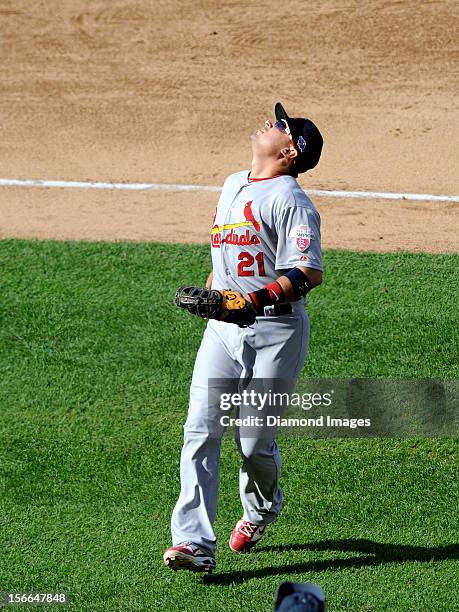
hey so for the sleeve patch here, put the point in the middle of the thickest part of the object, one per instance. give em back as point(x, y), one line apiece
point(302, 234)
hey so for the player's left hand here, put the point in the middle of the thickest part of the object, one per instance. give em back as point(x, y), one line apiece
point(223, 305)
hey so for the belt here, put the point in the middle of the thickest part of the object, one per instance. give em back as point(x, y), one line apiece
point(277, 310)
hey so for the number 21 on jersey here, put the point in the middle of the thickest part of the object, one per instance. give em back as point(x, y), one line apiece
point(247, 264)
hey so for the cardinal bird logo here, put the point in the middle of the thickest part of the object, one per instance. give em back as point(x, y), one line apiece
point(248, 214)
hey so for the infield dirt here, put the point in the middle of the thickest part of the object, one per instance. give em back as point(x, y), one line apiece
point(170, 91)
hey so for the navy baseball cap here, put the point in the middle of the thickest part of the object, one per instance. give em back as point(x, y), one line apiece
point(306, 137)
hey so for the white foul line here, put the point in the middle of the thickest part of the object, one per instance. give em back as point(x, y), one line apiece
point(99, 185)
point(379, 195)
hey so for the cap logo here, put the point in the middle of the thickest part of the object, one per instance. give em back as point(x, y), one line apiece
point(301, 142)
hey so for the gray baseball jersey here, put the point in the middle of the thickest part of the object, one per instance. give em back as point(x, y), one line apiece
point(261, 229)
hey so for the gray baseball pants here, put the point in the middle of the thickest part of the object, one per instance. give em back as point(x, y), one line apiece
point(274, 348)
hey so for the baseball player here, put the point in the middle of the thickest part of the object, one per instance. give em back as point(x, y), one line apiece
point(266, 256)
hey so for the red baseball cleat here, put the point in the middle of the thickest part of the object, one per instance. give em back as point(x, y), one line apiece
point(245, 535)
point(189, 556)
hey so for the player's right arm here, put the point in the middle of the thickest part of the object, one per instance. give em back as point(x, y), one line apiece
point(210, 278)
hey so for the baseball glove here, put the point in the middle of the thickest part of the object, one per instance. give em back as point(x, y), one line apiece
point(224, 305)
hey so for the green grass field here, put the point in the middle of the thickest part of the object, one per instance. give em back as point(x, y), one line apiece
point(95, 366)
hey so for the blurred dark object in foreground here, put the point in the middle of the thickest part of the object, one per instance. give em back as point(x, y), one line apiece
point(299, 597)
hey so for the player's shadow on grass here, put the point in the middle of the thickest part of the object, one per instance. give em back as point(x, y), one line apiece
point(373, 553)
